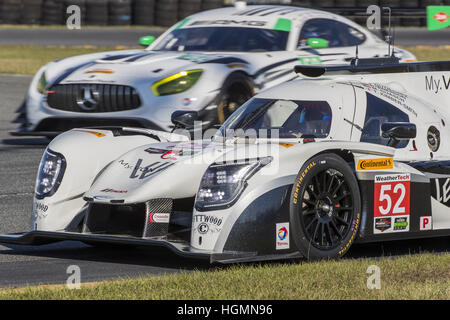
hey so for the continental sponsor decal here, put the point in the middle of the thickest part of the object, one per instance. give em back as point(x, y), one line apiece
point(300, 180)
point(375, 164)
point(95, 133)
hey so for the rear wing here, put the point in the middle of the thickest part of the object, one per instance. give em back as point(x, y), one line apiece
point(428, 81)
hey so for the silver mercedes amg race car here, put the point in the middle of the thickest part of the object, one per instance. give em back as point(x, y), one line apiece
point(211, 62)
point(351, 153)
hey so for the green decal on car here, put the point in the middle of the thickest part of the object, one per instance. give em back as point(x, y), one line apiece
point(310, 60)
point(283, 24)
point(182, 23)
point(438, 17)
point(196, 58)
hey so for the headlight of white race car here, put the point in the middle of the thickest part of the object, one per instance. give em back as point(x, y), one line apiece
point(42, 83)
point(176, 83)
point(51, 171)
point(223, 183)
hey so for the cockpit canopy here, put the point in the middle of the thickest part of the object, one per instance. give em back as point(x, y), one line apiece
point(269, 118)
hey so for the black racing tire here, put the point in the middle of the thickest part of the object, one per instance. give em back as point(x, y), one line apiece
point(236, 90)
point(325, 208)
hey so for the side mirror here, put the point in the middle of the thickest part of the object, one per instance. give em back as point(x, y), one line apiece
point(397, 131)
point(184, 118)
point(146, 40)
point(317, 43)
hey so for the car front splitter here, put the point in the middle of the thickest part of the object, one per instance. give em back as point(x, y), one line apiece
point(181, 248)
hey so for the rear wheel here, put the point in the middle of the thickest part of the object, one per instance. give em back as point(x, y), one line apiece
point(325, 207)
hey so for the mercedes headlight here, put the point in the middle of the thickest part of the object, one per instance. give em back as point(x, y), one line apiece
point(51, 171)
point(176, 83)
point(42, 83)
point(223, 183)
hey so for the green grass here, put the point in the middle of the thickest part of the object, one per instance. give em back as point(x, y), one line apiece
point(423, 276)
point(427, 53)
point(27, 59)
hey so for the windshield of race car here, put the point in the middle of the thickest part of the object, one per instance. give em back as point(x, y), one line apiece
point(282, 118)
point(223, 39)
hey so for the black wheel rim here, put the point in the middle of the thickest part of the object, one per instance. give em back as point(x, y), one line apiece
point(326, 209)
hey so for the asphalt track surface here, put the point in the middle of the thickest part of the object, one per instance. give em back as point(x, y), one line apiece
point(19, 266)
point(111, 36)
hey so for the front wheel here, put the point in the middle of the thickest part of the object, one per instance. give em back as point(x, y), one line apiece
point(325, 207)
point(236, 90)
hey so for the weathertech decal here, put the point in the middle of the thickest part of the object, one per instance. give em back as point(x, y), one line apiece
point(375, 164)
point(391, 203)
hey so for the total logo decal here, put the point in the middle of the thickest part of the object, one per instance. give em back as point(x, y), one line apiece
point(282, 236)
point(155, 217)
point(391, 203)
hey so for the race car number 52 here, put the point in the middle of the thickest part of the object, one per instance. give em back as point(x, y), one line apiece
point(392, 193)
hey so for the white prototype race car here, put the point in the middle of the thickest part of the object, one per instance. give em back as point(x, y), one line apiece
point(354, 153)
point(211, 62)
